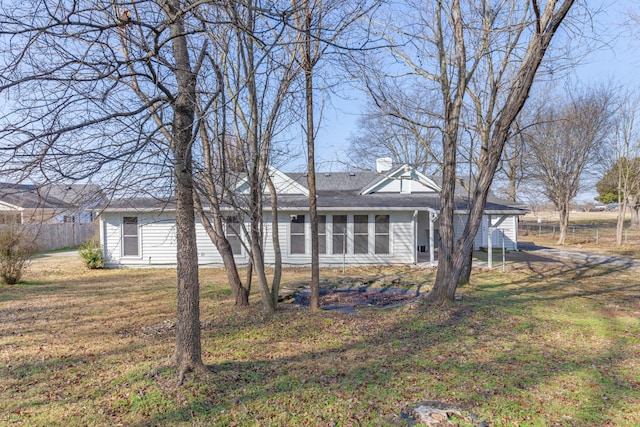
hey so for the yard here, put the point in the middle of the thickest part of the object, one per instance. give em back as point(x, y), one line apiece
point(547, 343)
point(587, 231)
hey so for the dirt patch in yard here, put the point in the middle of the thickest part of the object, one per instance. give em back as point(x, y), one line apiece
point(349, 299)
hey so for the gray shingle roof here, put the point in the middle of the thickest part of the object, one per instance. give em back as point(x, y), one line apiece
point(338, 181)
point(341, 191)
point(52, 196)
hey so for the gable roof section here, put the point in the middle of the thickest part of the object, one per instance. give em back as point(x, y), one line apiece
point(337, 181)
point(284, 183)
point(385, 181)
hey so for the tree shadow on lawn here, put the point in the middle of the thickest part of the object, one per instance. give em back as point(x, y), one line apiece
point(500, 374)
point(366, 368)
point(562, 280)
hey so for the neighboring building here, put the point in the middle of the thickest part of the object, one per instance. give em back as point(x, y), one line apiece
point(48, 204)
point(389, 216)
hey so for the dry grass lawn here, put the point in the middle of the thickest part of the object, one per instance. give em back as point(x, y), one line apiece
point(547, 343)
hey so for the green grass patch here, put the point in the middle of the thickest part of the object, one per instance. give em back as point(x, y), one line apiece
point(539, 345)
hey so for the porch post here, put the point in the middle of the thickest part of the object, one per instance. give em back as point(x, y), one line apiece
point(489, 242)
point(414, 220)
point(431, 239)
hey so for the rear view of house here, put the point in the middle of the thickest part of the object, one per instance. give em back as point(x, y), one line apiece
point(378, 217)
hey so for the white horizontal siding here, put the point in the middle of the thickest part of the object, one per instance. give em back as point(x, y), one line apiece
point(156, 234)
point(110, 235)
point(509, 227)
point(158, 240)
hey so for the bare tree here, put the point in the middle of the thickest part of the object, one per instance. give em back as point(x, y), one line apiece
point(568, 138)
point(397, 128)
point(257, 69)
point(320, 25)
point(480, 58)
point(111, 91)
point(621, 181)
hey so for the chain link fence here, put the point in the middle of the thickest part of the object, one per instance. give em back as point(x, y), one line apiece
point(604, 234)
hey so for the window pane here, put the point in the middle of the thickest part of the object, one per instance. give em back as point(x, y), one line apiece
point(130, 236)
point(360, 224)
point(339, 224)
point(322, 234)
point(232, 232)
point(338, 244)
point(382, 224)
point(322, 243)
point(339, 233)
point(382, 244)
point(236, 246)
point(130, 246)
point(360, 234)
point(382, 234)
point(130, 226)
point(360, 244)
point(322, 224)
point(297, 244)
point(296, 232)
point(297, 224)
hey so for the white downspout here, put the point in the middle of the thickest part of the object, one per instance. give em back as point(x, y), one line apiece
point(103, 237)
point(490, 242)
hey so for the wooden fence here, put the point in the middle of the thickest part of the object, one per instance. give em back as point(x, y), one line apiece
point(56, 236)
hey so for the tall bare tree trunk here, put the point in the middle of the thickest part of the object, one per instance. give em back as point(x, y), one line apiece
point(446, 275)
point(622, 212)
point(563, 213)
point(188, 346)
point(308, 65)
point(634, 207)
point(452, 262)
point(215, 230)
point(275, 239)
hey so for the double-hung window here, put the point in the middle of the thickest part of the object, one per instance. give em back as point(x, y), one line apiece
point(130, 236)
point(339, 234)
point(382, 234)
point(322, 234)
point(360, 234)
point(232, 233)
point(297, 234)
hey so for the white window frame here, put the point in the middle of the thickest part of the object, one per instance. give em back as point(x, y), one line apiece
point(366, 233)
point(303, 234)
point(345, 235)
point(376, 234)
point(236, 233)
point(126, 236)
point(323, 236)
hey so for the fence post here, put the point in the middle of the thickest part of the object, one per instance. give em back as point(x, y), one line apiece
point(597, 235)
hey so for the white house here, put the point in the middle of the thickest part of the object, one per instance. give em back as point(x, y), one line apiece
point(372, 217)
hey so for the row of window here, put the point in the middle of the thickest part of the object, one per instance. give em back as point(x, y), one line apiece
point(336, 234)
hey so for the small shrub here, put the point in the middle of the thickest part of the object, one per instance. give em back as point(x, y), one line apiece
point(16, 250)
point(91, 254)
